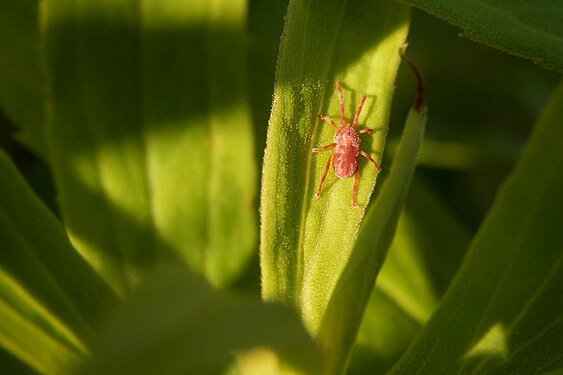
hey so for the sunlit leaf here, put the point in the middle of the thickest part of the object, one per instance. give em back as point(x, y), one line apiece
point(305, 242)
point(150, 134)
point(346, 307)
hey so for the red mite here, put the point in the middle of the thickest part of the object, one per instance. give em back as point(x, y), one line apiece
point(346, 147)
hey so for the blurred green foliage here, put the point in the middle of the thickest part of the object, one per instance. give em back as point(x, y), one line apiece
point(482, 106)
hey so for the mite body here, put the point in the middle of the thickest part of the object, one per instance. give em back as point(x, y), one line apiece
point(346, 151)
point(346, 146)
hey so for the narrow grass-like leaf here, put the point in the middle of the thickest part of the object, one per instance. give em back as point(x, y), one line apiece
point(12, 365)
point(95, 135)
point(50, 298)
point(199, 133)
point(150, 133)
point(305, 242)
point(426, 251)
point(504, 312)
point(386, 332)
point(530, 29)
point(21, 90)
point(349, 299)
point(176, 324)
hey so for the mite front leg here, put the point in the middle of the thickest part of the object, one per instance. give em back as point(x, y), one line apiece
point(318, 193)
point(329, 120)
point(317, 149)
point(370, 159)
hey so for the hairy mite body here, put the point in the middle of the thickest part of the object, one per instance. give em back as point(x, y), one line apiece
point(346, 151)
point(346, 145)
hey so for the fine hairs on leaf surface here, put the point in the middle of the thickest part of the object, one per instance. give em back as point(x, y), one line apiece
point(141, 112)
point(305, 241)
point(350, 297)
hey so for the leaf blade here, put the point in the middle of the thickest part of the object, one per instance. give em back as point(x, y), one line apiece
point(425, 253)
point(198, 331)
point(350, 297)
point(21, 86)
point(142, 144)
point(210, 159)
point(529, 30)
point(52, 300)
point(323, 42)
point(502, 310)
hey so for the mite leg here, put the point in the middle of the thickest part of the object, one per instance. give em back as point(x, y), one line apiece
point(341, 96)
point(318, 193)
point(319, 149)
point(365, 131)
point(370, 159)
point(356, 176)
point(329, 120)
point(355, 122)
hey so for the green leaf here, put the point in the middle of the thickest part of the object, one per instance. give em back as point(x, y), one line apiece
point(386, 331)
point(265, 25)
point(21, 90)
point(305, 242)
point(426, 251)
point(530, 29)
point(348, 301)
point(12, 365)
point(195, 330)
point(150, 134)
point(503, 312)
point(50, 298)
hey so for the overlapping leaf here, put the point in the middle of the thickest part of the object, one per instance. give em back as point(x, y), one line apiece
point(51, 300)
point(531, 29)
point(503, 313)
point(427, 248)
point(305, 242)
point(21, 90)
point(150, 134)
point(350, 297)
point(176, 324)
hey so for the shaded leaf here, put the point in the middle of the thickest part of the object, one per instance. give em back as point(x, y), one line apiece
point(503, 312)
point(530, 29)
point(12, 365)
point(150, 134)
point(427, 248)
point(176, 324)
point(386, 331)
point(50, 298)
point(21, 90)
